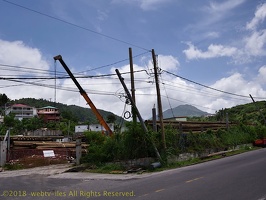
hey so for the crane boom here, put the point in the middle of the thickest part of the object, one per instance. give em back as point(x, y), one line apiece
point(85, 96)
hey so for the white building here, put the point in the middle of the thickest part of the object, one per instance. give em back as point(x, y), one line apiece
point(81, 128)
point(92, 127)
point(21, 111)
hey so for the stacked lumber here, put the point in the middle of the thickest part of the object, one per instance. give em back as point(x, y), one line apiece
point(187, 126)
point(44, 145)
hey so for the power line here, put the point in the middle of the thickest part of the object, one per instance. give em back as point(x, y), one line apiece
point(64, 77)
point(218, 90)
point(177, 100)
point(64, 88)
point(77, 26)
point(117, 62)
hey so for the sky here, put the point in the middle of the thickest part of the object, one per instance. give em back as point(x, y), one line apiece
point(210, 54)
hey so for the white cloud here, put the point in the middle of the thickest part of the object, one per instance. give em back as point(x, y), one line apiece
point(217, 11)
point(255, 43)
point(225, 6)
point(250, 46)
point(22, 60)
point(226, 83)
point(104, 92)
point(259, 17)
point(168, 62)
point(16, 53)
point(151, 4)
point(213, 51)
point(102, 15)
point(212, 35)
point(256, 40)
point(144, 4)
point(262, 75)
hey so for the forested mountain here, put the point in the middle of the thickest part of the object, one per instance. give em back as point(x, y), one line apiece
point(71, 112)
point(184, 111)
point(251, 113)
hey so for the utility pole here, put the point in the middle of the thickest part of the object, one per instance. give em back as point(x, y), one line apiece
point(159, 101)
point(138, 114)
point(132, 86)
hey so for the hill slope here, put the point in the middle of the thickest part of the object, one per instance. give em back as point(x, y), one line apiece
point(184, 111)
point(247, 113)
point(72, 112)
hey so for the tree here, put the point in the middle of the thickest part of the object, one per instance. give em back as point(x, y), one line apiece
point(111, 118)
point(3, 99)
point(32, 123)
point(9, 120)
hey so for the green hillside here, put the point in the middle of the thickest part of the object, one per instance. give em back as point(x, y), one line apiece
point(251, 113)
point(184, 111)
point(71, 112)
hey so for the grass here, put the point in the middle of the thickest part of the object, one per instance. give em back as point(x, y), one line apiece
point(113, 168)
point(194, 161)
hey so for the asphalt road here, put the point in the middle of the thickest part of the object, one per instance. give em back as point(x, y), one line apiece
point(241, 177)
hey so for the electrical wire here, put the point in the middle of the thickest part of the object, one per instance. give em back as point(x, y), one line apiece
point(77, 26)
point(65, 88)
point(65, 77)
point(218, 90)
point(117, 62)
point(27, 69)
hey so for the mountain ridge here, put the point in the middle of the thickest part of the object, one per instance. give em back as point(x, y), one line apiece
point(73, 112)
point(184, 111)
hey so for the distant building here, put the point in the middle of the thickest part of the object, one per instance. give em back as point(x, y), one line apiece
point(92, 127)
point(1, 119)
point(179, 119)
point(49, 113)
point(99, 127)
point(81, 128)
point(21, 111)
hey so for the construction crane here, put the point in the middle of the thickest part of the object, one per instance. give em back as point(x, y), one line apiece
point(85, 96)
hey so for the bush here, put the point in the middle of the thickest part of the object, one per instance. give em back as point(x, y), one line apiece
point(135, 143)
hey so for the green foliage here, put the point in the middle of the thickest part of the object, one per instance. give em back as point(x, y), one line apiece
point(135, 144)
point(3, 99)
point(131, 144)
point(96, 152)
point(221, 139)
point(111, 118)
point(32, 123)
point(72, 112)
point(107, 168)
point(251, 113)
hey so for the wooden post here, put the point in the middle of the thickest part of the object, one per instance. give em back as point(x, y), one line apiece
point(132, 86)
point(78, 151)
point(138, 113)
point(227, 121)
point(159, 101)
point(154, 119)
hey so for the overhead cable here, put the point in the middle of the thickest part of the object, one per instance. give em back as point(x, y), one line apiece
point(75, 25)
point(218, 90)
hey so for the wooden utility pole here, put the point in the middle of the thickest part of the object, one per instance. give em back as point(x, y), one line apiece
point(159, 101)
point(132, 86)
point(138, 114)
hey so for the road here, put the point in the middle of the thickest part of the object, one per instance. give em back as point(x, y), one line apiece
point(237, 177)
